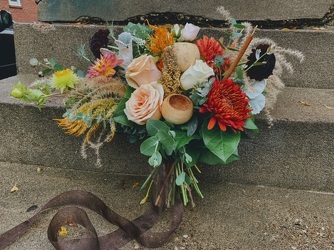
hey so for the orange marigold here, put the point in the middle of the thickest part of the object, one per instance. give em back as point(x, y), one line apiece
point(160, 40)
point(228, 105)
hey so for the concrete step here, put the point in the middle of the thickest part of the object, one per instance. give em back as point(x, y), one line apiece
point(297, 152)
point(231, 216)
point(314, 72)
point(116, 11)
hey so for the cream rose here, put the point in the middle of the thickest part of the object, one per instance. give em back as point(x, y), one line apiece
point(142, 70)
point(198, 73)
point(145, 103)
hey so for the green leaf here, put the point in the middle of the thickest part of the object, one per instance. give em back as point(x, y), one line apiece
point(188, 180)
point(180, 179)
point(149, 146)
point(120, 107)
point(58, 67)
point(80, 73)
point(52, 62)
point(192, 125)
point(183, 139)
point(250, 124)
point(153, 126)
point(122, 119)
point(46, 71)
point(236, 35)
point(239, 26)
point(258, 64)
point(209, 158)
point(168, 143)
point(155, 160)
point(194, 153)
point(220, 143)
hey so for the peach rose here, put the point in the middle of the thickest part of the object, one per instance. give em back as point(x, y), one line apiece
point(145, 103)
point(142, 70)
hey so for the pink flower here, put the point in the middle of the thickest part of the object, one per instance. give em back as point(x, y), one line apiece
point(189, 32)
point(145, 103)
point(142, 70)
point(104, 66)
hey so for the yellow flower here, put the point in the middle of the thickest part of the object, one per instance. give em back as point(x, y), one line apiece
point(64, 80)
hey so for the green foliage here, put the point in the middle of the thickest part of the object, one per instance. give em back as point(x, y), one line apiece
point(222, 144)
point(138, 30)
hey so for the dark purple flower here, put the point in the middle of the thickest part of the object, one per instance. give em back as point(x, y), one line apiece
point(260, 72)
point(99, 40)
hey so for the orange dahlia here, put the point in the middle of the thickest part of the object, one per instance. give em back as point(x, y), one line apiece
point(104, 66)
point(228, 105)
point(209, 48)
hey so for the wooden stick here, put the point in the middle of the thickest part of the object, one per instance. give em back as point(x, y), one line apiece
point(241, 53)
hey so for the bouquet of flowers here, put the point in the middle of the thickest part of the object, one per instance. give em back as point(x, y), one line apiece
point(186, 97)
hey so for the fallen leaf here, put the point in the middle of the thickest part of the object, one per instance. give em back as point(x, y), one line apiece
point(143, 201)
point(304, 103)
point(62, 231)
point(14, 189)
point(328, 107)
point(135, 184)
point(40, 170)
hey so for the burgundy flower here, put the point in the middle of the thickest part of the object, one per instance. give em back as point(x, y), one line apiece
point(260, 72)
point(99, 40)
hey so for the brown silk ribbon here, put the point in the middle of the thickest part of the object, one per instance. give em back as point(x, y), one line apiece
point(137, 229)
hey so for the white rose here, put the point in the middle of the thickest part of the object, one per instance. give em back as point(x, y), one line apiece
point(198, 73)
point(189, 32)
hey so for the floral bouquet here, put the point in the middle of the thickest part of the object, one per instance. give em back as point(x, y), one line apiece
point(187, 98)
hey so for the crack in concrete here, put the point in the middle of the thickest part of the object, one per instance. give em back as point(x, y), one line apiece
point(175, 17)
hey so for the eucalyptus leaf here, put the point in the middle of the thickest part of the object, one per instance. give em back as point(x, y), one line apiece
point(149, 146)
point(167, 141)
point(236, 35)
point(155, 160)
point(180, 179)
point(80, 73)
point(153, 126)
point(52, 62)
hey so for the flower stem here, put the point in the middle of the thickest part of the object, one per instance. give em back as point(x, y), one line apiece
point(159, 199)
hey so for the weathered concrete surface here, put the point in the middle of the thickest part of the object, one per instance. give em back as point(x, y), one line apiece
point(297, 152)
point(236, 217)
point(64, 10)
point(56, 41)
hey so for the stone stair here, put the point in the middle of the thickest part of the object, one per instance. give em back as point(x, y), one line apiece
point(295, 153)
point(293, 157)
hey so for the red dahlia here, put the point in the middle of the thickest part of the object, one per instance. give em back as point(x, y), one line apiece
point(228, 104)
point(209, 48)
